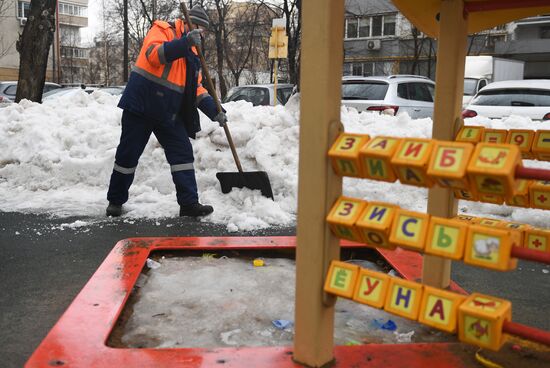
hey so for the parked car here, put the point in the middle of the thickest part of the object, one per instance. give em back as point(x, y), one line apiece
point(393, 94)
point(8, 89)
point(4, 101)
point(529, 98)
point(66, 91)
point(260, 94)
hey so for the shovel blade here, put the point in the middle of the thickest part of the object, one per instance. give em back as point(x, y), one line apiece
point(256, 180)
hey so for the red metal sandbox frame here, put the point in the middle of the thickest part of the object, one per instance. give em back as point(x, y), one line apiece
point(79, 338)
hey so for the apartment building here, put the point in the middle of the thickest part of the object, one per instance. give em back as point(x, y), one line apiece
point(67, 58)
point(379, 40)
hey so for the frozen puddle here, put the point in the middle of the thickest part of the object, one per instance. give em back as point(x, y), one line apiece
point(227, 302)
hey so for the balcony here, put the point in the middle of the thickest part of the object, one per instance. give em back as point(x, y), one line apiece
point(525, 46)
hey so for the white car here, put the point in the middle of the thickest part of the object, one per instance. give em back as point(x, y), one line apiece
point(260, 94)
point(392, 94)
point(530, 98)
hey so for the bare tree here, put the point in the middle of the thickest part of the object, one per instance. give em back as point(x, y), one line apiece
point(34, 46)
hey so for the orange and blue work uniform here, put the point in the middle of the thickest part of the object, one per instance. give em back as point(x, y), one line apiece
point(161, 97)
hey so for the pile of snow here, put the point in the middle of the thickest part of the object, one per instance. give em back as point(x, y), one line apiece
point(57, 158)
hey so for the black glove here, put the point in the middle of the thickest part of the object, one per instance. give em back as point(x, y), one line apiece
point(221, 118)
point(194, 37)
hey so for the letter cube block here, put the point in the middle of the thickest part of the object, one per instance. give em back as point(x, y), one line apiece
point(466, 218)
point(467, 195)
point(494, 136)
point(539, 194)
point(403, 298)
point(446, 238)
point(492, 168)
point(374, 224)
point(517, 228)
point(409, 230)
point(471, 134)
point(371, 288)
point(490, 198)
point(523, 138)
point(490, 248)
point(448, 164)
point(520, 196)
point(410, 161)
point(342, 217)
point(537, 239)
point(439, 309)
point(341, 279)
point(375, 157)
point(541, 145)
point(489, 222)
point(480, 320)
point(344, 154)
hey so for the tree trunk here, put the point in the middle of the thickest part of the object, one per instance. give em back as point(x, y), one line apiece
point(34, 47)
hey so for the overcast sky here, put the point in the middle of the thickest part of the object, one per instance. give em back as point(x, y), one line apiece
point(94, 21)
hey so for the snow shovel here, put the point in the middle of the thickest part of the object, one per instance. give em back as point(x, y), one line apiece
point(229, 180)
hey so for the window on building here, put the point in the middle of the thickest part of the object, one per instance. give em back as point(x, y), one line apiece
point(71, 9)
point(389, 25)
point(364, 27)
point(492, 39)
point(23, 9)
point(545, 32)
point(357, 69)
point(351, 28)
point(377, 25)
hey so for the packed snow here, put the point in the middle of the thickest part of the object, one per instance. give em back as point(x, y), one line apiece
point(57, 158)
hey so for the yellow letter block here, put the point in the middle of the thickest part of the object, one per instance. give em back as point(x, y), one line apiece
point(410, 161)
point(520, 197)
point(470, 134)
point(344, 154)
point(466, 218)
point(409, 230)
point(494, 136)
point(342, 217)
point(489, 222)
point(480, 320)
point(341, 279)
point(490, 248)
point(404, 298)
point(541, 145)
point(374, 224)
point(375, 157)
point(448, 164)
point(539, 194)
point(446, 238)
point(537, 239)
point(492, 168)
point(371, 288)
point(465, 194)
point(439, 309)
point(517, 228)
point(523, 138)
point(490, 198)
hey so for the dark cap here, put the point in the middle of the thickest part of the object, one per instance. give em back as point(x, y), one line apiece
point(199, 17)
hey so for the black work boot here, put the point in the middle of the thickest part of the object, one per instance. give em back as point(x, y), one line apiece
point(113, 210)
point(195, 210)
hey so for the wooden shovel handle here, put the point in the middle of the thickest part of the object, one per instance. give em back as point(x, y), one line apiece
point(212, 89)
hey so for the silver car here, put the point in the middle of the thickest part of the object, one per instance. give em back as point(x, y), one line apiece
point(260, 94)
point(392, 94)
point(8, 89)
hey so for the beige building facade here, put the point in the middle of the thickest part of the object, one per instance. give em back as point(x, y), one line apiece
point(66, 50)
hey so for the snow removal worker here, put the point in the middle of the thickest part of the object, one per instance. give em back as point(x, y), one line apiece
point(161, 97)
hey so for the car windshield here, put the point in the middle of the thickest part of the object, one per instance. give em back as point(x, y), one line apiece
point(513, 97)
point(256, 95)
point(470, 86)
point(364, 90)
point(283, 94)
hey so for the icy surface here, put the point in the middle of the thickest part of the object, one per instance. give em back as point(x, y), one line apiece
point(57, 158)
point(219, 302)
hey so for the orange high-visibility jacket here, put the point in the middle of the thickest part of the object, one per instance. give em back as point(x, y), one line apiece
point(165, 82)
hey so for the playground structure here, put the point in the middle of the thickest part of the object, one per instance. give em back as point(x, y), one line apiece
point(78, 339)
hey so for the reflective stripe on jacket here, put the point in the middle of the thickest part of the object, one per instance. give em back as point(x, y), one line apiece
point(165, 82)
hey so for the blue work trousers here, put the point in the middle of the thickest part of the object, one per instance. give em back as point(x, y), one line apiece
point(136, 131)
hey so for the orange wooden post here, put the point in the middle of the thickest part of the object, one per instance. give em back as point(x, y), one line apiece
point(319, 186)
point(451, 56)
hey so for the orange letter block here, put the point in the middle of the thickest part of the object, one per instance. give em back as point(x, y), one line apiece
point(404, 298)
point(470, 134)
point(523, 138)
point(539, 194)
point(537, 239)
point(344, 154)
point(409, 230)
point(375, 157)
point(439, 309)
point(410, 161)
point(342, 217)
point(494, 136)
point(481, 318)
point(446, 238)
point(371, 288)
point(448, 164)
point(374, 224)
point(490, 247)
point(520, 197)
point(541, 145)
point(341, 279)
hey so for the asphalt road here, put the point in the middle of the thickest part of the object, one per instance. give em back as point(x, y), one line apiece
point(45, 263)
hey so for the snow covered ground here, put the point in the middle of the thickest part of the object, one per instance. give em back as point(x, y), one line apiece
point(57, 158)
